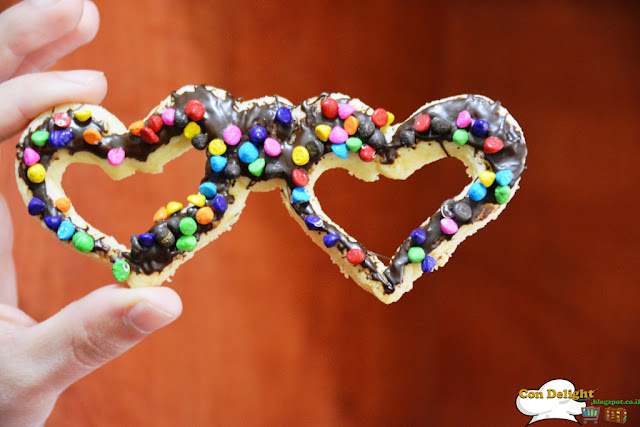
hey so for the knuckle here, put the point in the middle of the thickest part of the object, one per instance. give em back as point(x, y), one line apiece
point(91, 350)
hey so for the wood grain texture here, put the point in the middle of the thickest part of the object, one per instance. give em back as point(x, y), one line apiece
point(272, 333)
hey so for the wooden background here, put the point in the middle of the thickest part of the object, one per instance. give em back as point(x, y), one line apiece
point(272, 333)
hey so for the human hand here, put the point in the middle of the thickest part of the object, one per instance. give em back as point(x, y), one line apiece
point(38, 361)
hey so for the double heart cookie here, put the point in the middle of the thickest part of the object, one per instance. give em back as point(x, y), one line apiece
point(269, 143)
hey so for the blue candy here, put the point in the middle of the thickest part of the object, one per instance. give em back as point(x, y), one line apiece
point(480, 127)
point(208, 189)
point(53, 222)
point(66, 230)
point(504, 177)
point(248, 152)
point(477, 191)
point(313, 222)
point(36, 206)
point(258, 134)
point(283, 115)
point(300, 194)
point(428, 263)
point(60, 138)
point(330, 240)
point(218, 163)
point(340, 150)
point(146, 239)
point(219, 204)
point(418, 236)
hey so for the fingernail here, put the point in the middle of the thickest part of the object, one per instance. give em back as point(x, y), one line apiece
point(147, 318)
point(84, 77)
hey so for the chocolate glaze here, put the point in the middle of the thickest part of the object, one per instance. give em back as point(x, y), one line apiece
point(221, 113)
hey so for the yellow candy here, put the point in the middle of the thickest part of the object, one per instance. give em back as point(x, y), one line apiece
point(173, 207)
point(197, 199)
point(300, 155)
point(323, 131)
point(82, 115)
point(487, 178)
point(217, 147)
point(36, 173)
point(191, 130)
point(390, 120)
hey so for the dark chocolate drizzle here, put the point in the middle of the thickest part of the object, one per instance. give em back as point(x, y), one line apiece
point(221, 113)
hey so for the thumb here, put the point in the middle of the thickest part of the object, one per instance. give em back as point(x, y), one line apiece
point(94, 330)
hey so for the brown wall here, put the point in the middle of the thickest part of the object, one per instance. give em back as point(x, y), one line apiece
point(272, 333)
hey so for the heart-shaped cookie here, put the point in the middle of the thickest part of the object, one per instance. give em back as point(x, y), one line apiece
point(269, 143)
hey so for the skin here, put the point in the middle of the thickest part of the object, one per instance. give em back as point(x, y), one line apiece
point(38, 361)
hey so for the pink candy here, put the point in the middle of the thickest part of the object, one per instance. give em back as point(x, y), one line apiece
point(232, 135)
point(338, 135)
point(31, 157)
point(168, 116)
point(115, 156)
point(448, 226)
point(272, 147)
point(345, 110)
point(464, 119)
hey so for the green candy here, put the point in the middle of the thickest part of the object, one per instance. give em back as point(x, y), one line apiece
point(82, 241)
point(121, 270)
point(256, 167)
point(40, 137)
point(186, 243)
point(416, 254)
point(460, 136)
point(188, 226)
point(354, 144)
point(502, 194)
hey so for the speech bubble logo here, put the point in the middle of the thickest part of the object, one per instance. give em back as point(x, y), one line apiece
point(554, 400)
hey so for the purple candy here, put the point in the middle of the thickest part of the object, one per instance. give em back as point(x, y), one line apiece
point(283, 115)
point(480, 127)
point(428, 263)
point(146, 239)
point(418, 236)
point(330, 240)
point(36, 206)
point(313, 222)
point(258, 134)
point(219, 204)
point(60, 138)
point(52, 222)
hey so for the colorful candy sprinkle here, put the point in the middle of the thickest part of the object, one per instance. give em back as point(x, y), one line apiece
point(313, 222)
point(208, 189)
point(83, 242)
point(338, 135)
point(300, 195)
point(121, 270)
point(115, 156)
point(300, 177)
point(136, 127)
point(487, 178)
point(354, 144)
point(82, 115)
point(149, 136)
point(194, 110)
point(186, 243)
point(191, 130)
point(248, 152)
point(40, 137)
point(390, 119)
point(217, 147)
point(428, 264)
point(416, 254)
point(155, 123)
point(161, 214)
point(351, 125)
point(31, 156)
point(188, 226)
point(367, 153)
point(464, 119)
point(204, 215)
point(323, 132)
point(460, 136)
point(232, 135)
point(477, 191)
point(330, 240)
point(199, 141)
point(168, 116)
point(60, 138)
point(219, 204)
point(36, 173)
point(329, 108)
point(173, 207)
point(340, 150)
point(63, 204)
point(35, 206)
point(257, 167)
point(257, 134)
point(300, 155)
point(480, 127)
point(218, 163)
point(493, 145)
point(462, 211)
point(345, 110)
point(92, 136)
point(504, 177)
point(197, 200)
point(66, 230)
point(422, 123)
point(355, 256)
point(52, 222)
point(146, 239)
point(418, 236)
point(283, 115)
point(448, 226)
point(380, 117)
point(62, 120)
point(272, 147)
point(503, 192)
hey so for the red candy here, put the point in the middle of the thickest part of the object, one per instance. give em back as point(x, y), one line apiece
point(149, 136)
point(380, 117)
point(355, 256)
point(62, 120)
point(329, 108)
point(422, 123)
point(194, 110)
point(300, 177)
point(493, 145)
point(367, 153)
point(155, 123)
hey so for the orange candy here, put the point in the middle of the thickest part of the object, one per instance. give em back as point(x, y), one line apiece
point(63, 204)
point(135, 127)
point(351, 125)
point(204, 215)
point(92, 136)
point(161, 214)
